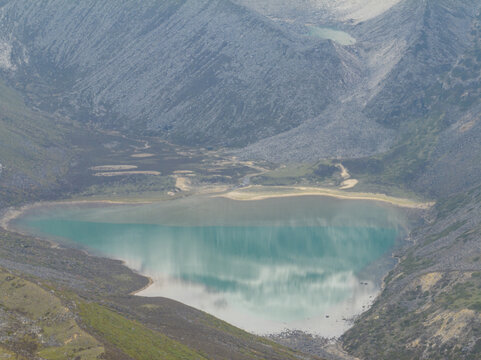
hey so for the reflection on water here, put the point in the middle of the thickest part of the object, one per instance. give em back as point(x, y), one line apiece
point(262, 274)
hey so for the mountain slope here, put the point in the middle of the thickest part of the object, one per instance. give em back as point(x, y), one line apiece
point(440, 141)
point(199, 72)
point(216, 73)
point(431, 305)
point(34, 153)
point(401, 56)
point(432, 35)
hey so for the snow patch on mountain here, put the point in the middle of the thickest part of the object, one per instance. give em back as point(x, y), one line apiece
point(6, 56)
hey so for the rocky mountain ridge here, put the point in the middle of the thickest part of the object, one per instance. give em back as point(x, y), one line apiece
point(197, 72)
point(216, 73)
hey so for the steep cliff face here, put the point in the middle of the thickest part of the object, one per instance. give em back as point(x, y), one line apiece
point(199, 72)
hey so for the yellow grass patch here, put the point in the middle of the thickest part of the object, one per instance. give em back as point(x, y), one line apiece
point(54, 319)
point(429, 280)
point(182, 183)
point(452, 325)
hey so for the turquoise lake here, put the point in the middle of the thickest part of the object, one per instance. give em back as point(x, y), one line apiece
point(303, 263)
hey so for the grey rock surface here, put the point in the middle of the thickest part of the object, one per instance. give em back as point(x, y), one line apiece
point(198, 72)
point(239, 74)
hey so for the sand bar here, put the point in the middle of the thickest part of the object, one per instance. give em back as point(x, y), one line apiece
point(258, 192)
point(122, 173)
point(348, 184)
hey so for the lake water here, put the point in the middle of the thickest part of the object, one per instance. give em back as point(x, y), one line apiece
point(338, 36)
point(289, 263)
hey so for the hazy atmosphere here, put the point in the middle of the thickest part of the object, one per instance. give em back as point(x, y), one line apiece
point(239, 179)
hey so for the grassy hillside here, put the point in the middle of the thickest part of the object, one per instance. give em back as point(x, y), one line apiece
point(131, 337)
point(36, 323)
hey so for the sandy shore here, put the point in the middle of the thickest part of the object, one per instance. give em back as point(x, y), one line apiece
point(149, 284)
point(8, 216)
point(258, 192)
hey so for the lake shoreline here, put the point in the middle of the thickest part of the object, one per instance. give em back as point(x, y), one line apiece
point(11, 214)
point(258, 192)
point(248, 193)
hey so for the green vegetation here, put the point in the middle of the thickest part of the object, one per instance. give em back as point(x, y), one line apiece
point(413, 263)
point(41, 324)
point(445, 207)
point(432, 238)
point(410, 320)
point(457, 89)
point(133, 338)
point(464, 295)
point(323, 172)
point(425, 311)
point(408, 159)
point(403, 163)
point(134, 187)
point(285, 175)
point(64, 279)
point(464, 80)
point(6, 354)
point(433, 318)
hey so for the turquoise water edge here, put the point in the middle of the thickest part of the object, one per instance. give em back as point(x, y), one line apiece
point(265, 266)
